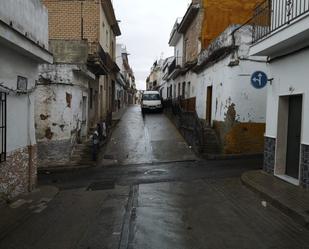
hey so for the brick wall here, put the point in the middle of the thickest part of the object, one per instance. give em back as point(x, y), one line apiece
point(220, 14)
point(65, 19)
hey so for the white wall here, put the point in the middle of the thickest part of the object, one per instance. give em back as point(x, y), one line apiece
point(51, 102)
point(27, 16)
point(188, 77)
point(291, 76)
point(179, 49)
point(20, 113)
point(105, 41)
point(231, 85)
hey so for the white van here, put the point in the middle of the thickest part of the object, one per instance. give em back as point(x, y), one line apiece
point(151, 101)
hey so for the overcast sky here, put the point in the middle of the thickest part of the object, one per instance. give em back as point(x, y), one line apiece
point(146, 26)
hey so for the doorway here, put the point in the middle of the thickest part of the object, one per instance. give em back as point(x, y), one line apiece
point(289, 128)
point(293, 136)
point(209, 105)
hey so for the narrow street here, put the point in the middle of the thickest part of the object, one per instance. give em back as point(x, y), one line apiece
point(154, 194)
point(149, 139)
point(179, 124)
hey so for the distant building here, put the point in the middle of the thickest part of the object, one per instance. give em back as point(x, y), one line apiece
point(78, 91)
point(126, 92)
point(282, 34)
point(23, 46)
point(155, 77)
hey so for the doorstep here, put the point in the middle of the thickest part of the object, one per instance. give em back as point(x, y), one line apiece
point(288, 198)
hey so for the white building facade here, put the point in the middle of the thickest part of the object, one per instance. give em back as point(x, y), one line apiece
point(226, 99)
point(23, 46)
point(286, 42)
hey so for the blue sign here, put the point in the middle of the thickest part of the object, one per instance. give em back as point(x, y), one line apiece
point(259, 79)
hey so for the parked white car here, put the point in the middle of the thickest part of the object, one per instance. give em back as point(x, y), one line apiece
point(151, 101)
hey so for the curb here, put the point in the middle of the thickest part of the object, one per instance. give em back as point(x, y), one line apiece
point(64, 169)
point(232, 156)
point(297, 216)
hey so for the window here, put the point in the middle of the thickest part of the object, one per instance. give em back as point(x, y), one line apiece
point(107, 39)
point(178, 90)
point(183, 90)
point(2, 127)
point(90, 98)
point(151, 97)
point(185, 51)
point(189, 90)
point(84, 109)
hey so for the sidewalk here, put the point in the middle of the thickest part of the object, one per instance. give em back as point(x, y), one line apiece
point(118, 115)
point(290, 199)
point(19, 210)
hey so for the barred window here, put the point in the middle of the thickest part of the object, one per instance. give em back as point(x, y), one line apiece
point(2, 127)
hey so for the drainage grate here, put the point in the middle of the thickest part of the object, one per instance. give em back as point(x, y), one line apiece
point(111, 157)
point(156, 172)
point(106, 184)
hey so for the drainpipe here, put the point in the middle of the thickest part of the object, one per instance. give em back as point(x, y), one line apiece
point(29, 144)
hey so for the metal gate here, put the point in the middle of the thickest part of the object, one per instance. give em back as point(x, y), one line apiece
point(3, 114)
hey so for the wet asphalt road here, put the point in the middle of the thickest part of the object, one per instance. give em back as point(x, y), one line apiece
point(149, 139)
point(153, 193)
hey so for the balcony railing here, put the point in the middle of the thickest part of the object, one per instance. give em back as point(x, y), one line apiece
point(272, 15)
point(172, 67)
point(96, 51)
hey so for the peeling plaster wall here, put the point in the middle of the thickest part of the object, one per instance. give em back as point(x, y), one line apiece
point(58, 114)
point(238, 109)
point(231, 86)
point(17, 174)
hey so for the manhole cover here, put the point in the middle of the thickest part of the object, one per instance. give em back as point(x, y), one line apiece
point(156, 172)
point(107, 184)
point(111, 157)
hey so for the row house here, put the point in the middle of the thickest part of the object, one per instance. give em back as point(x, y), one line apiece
point(78, 90)
point(281, 32)
point(226, 100)
point(203, 21)
point(155, 77)
point(126, 74)
point(164, 85)
point(212, 70)
point(23, 47)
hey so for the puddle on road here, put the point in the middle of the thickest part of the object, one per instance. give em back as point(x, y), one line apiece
point(156, 172)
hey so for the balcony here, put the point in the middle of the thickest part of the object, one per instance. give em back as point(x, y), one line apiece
point(97, 59)
point(280, 27)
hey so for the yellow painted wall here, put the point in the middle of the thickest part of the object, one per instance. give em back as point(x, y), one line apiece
point(219, 14)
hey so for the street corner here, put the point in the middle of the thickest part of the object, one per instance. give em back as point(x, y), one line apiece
point(280, 194)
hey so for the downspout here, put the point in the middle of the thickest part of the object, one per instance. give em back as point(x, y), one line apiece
point(29, 144)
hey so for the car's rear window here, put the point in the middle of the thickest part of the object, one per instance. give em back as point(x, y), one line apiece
point(151, 97)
